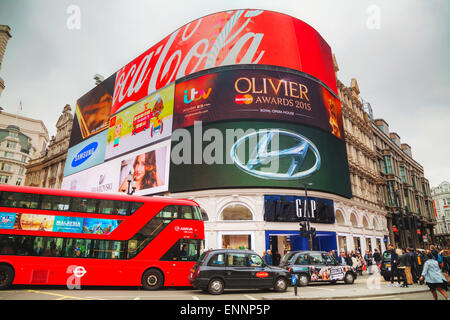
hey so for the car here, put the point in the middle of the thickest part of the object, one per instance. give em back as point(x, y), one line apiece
point(221, 269)
point(316, 266)
point(385, 265)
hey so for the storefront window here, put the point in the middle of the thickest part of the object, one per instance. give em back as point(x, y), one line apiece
point(241, 241)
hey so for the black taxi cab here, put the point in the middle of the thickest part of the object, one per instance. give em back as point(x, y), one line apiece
point(316, 266)
point(222, 269)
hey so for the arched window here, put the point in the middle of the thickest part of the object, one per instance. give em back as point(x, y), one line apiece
point(339, 217)
point(353, 220)
point(365, 223)
point(236, 212)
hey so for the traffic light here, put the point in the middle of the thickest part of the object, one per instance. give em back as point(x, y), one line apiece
point(303, 229)
point(313, 232)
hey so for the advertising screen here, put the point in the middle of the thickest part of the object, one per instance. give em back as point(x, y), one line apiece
point(258, 154)
point(93, 111)
point(149, 168)
point(141, 124)
point(40, 222)
point(86, 154)
point(292, 209)
point(257, 94)
point(225, 38)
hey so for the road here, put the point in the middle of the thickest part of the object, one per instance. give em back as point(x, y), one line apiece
point(360, 290)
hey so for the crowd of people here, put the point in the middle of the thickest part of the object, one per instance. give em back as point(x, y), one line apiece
point(406, 266)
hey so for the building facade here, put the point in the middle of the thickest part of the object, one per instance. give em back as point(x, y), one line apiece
point(405, 192)
point(441, 203)
point(5, 35)
point(47, 170)
point(22, 139)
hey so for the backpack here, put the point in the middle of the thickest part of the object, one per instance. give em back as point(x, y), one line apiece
point(439, 258)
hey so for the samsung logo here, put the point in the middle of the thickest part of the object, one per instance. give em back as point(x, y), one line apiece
point(84, 154)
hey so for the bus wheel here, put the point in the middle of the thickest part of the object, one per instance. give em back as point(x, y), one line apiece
point(6, 276)
point(152, 279)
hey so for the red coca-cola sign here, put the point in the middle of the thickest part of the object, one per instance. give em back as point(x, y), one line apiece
point(225, 38)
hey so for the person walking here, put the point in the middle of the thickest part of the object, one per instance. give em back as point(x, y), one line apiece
point(395, 260)
point(268, 257)
point(376, 257)
point(368, 258)
point(413, 261)
point(434, 278)
point(405, 268)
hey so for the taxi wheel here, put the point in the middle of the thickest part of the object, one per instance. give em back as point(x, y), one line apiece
point(349, 278)
point(303, 280)
point(216, 286)
point(6, 276)
point(152, 279)
point(280, 285)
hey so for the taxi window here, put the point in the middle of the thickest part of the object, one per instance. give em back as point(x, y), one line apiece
point(315, 258)
point(217, 261)
point(236, 260)
point(255, 261)
point(327, 259)
point(302, 259)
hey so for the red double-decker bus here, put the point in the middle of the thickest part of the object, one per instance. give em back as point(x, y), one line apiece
point(141, 121)
point(60, 237)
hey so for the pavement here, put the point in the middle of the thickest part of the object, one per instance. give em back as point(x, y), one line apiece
point(366, 286)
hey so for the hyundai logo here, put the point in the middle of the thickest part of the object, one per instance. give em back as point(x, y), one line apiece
point(84, 154)
point(261, 156)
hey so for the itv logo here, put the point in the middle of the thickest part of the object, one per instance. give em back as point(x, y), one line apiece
point(195, 95)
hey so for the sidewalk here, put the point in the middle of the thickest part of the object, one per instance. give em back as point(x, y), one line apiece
point(364, 287)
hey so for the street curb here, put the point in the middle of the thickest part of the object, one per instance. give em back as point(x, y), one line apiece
point(345, 297)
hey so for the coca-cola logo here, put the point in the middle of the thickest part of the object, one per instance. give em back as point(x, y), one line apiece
point(194, 47)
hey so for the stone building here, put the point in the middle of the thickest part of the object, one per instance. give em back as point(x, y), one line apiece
point(441, 203)
point(21, 139)
point(406, 192)
point(47, 170)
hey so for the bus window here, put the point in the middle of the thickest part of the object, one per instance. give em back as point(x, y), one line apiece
point(78, 248)
point(113, 207)
point(84, 205)
point(135, 206)
point(19, 200)
point(185, 212)
point(53, 247)
point(38, 246)
point(55, 203)
point(169, 212)
point(104, 249)
point(183, 250)
point(198, 213)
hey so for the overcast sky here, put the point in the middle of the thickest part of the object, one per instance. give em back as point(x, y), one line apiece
point(397, 50)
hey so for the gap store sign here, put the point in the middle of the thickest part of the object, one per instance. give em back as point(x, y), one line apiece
point(89, 153)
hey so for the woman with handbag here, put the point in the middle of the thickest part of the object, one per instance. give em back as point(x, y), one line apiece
point(434, 278)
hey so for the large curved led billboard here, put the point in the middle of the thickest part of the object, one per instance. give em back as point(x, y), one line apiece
point(267, 154)
point(225, 38)
point(264, 78)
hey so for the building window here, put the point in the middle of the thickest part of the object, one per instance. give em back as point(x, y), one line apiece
point(236, 212)
point(9, 155)
point(6, 167)
point(11, 144)
point(388, 165)
point(18, 181)
point(4, 179)
point(13, 134)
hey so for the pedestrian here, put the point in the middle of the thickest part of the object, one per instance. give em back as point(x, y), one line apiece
point(369, 261)
point(413, 261)
point(376, 257)
point(394, 263)
point(342, 258)
point(404, 267)
point(360, 264)
point(268, 257)
point(276, 258)
point(434, 278)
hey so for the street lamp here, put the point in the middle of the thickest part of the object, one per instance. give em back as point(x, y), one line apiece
point(306, 226)
point(131, 184)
